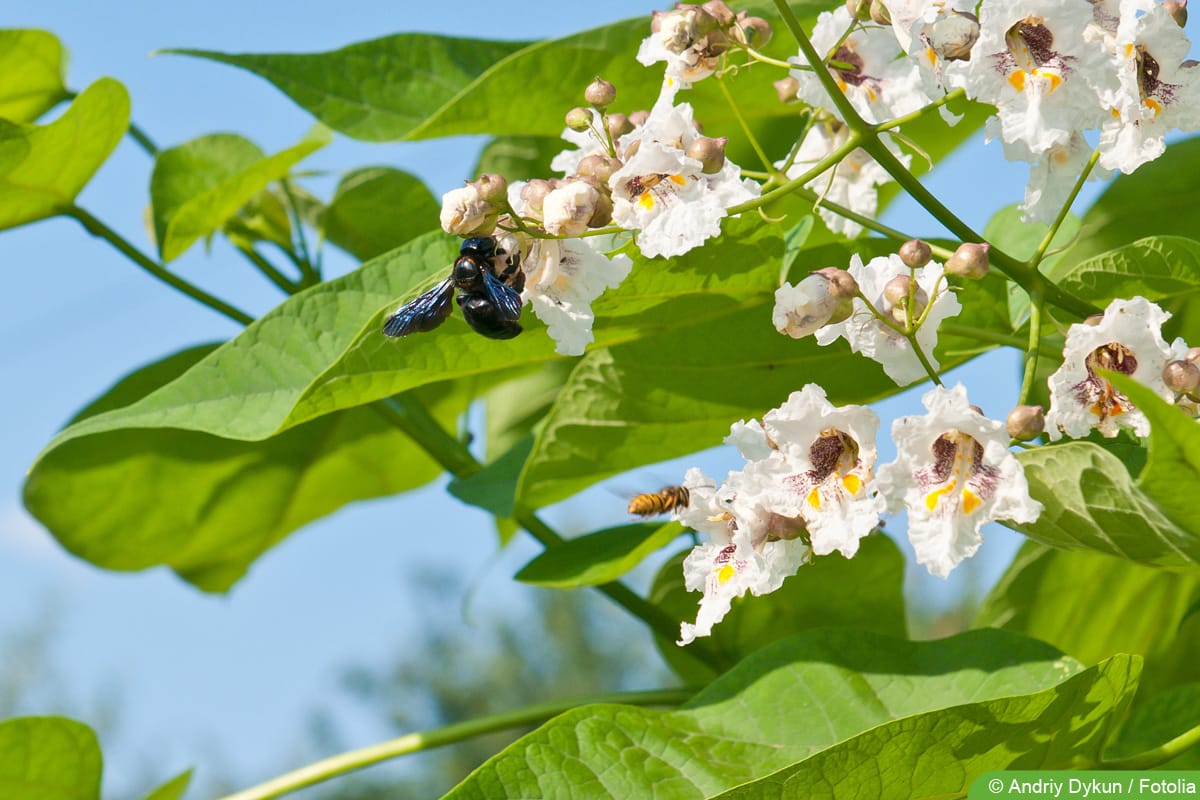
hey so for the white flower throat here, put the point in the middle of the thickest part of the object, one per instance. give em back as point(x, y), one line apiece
point(957, 480)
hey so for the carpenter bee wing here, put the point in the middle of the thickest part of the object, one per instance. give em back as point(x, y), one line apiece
point(506, 299)
point(423, 314)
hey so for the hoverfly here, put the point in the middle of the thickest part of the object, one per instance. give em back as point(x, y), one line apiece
point(665, 499)
point(491, 303)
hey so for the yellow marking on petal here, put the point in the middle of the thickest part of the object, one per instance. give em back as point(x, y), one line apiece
point(1116, 114)
point(841, 84)
point(1017, 79)
point(853, 483)
point(678, 180)
point(646, 201)
point(1053, 78)
point(1129, 50)
point(934, 497)
point(1153, 105)
point(871, 94)
point(725, 573)
point(814, 498)
point(971, 501)
point(931, 55)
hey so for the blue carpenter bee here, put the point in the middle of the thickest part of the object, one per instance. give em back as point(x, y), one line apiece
point(490, 303)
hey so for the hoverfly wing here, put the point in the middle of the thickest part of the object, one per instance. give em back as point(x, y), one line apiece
point(506, 299)
point(422, 314)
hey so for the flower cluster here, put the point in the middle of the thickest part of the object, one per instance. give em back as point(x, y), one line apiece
point(809, 488)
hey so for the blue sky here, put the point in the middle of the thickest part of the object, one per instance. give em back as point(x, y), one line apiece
point(227, 681)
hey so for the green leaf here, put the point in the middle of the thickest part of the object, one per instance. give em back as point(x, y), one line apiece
point(865, 593)
point(941, 753)
point(1092, 503)
point(1006, 231)
point(1157, 268)
point(1160, 198)
point(48, 758)
point(600, 557)
point(786, 703)
point(129, 499)
point(514, 408)
point(381, 89)
point(519, 158)
point(173, 789)
point(1172, 474)
point(376, 209)
point(32, 70)
point(43, 168)
point(493, 488)
point(1153, 724)
point(197, 186)
point(1092, 606)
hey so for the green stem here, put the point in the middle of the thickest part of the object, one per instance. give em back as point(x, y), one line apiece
point(1034, 348)
point(929, 370)
point(267, 269)
point(310, 274)
point(920, 112)
point(98, 228)
point(1159, 755)
point(414, 419)
point(737, 114)
point(840, 101)
point(766, 59)
point(1040, 253)
point(352, 760)
point(144, 141)
point(797, 183)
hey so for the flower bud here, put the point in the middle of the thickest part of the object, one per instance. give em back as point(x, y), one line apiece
point(970, 260)
point(801, 309)
point(534, 193)
point(598, 166)
point(1181, 376)
point(915, 253)
point(602, 215)
point(879, 13)
point(1093, 320)
point(492, 188)
point(1026, 423)
point(1178, 11)
point(786, 88)
point(859, 9)
point(841, 283)
point(618, 125)
point(638, 118)
point(709, 152)
point(600, 93)
point(953, 35)
point(579, 119)
point(722, 13)
point(465, 213)
point(897, 293)
point(1193, 355)
point(567, 209)
point(753, 31)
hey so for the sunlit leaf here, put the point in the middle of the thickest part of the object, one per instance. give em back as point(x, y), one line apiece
point(1156, 267)
point(599, 557)
point(32, 67)
point(519, 158)
point(173, 789)
point(199, 185)
point(48, 758)
point(376, 209)
point(1165, 717)
point(43, 168)
point(1092, 503)
point(865, 592)
point(208, 506)
point(791, 701)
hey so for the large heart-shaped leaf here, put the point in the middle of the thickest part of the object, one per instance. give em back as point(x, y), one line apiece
point(376, 209)
point(32, 65)
point(43, 168)
point(48, 758)
point(793, 700)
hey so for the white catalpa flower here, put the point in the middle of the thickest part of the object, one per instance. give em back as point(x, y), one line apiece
point(868, 335)
point(664, 194)
point(1033, 63)
point(1128, 339)
point(1156, 91)
point(732, 563)
point(953, 473)
point(851, 183)
point(680, 38)
point(465, 213)
point(567, 209)
point(828, 456)
point(866, 67)
point(821, 297)
point(1052, 174)
point(938, 36)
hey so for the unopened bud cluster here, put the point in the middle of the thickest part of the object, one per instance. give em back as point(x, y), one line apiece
point(696, 36)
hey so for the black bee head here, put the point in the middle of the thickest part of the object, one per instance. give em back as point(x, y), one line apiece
point(468, 272)
point(482, 248)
